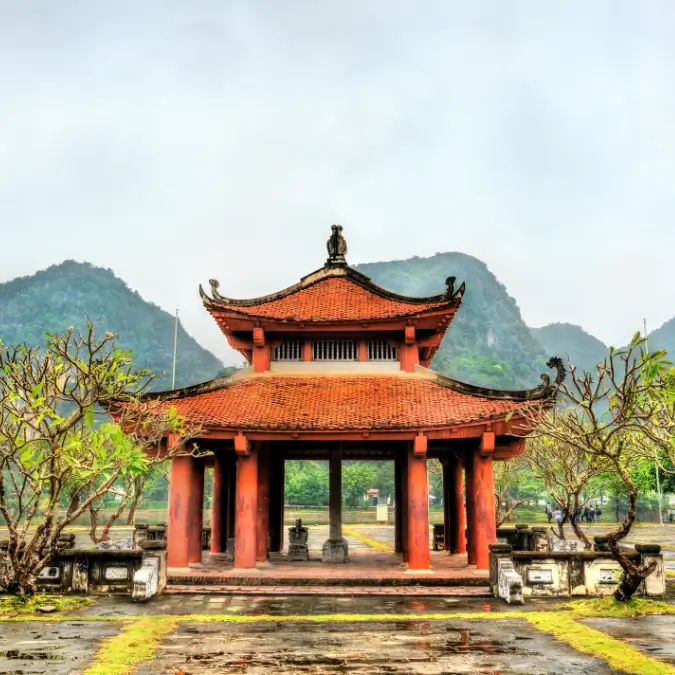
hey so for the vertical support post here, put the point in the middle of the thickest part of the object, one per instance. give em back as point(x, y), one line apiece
point(418, 513)
point(262, 519)
point(486, 526)
point(447, 491)
point(219, 503)
point(335, 549)
point(456, 508)
point(245, 545)
point(196, 507)
point(403, 458)
point(398, 506)
point(180, 486)
point(276, 511)
point(231, 497)
point(470, 508)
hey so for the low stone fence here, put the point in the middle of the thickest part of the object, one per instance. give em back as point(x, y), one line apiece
point(515, 575)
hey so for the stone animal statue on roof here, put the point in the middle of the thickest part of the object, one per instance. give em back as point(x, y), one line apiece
point(336, 245)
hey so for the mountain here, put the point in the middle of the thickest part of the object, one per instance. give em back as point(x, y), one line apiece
point(664, 338)
point(573, 344)
point(72, 293)
point(488, 343)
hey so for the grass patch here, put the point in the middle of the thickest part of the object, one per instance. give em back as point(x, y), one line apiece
point(619, 655)
point(372, 543)
point(610, 608)
point(13, 606)
point(138, 641)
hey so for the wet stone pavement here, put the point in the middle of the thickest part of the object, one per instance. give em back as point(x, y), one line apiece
point(652, 635)
point(304, 605)
point(30, 648)
point(433, 648)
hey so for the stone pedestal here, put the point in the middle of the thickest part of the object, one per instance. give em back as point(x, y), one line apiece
point(297, 542)
point(335, 551)
point(229, 550)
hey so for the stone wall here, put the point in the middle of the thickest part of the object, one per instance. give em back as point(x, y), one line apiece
point(566, 573)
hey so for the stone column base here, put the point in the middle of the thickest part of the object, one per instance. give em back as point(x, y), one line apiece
point(335, 551)
point(298, 552)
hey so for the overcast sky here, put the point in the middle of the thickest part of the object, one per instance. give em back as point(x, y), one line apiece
point(176, 141)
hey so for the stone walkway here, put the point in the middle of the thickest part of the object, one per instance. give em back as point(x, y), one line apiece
point(398, 648)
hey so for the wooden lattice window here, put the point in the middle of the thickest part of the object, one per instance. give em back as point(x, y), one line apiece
point(381, 350)
point(289, 350)
point(335, 350)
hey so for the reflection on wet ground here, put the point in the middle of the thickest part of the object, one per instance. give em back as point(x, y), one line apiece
point(304, 605)
point(54, 648)
point(652, 635)
point(433, 647)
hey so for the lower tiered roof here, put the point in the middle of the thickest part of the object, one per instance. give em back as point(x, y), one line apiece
point(337, 402)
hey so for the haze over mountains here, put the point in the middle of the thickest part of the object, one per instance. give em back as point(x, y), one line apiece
point(487, 344)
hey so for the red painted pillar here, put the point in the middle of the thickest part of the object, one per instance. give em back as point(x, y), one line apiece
point(180, 485)
point(196, 506)
point(245, 547)
point(418, 512)
point(277, 480)
point(470, 509)
point(263, 510)
point(231, 497)
point(398, 506)
point(486, 526)
point(447, 490)
point(404, 506)
point(456, 507)
point(219, 503)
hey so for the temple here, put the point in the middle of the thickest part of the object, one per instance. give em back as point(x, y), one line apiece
point(338, 368)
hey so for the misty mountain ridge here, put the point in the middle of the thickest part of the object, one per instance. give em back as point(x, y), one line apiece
point(74, 293)
point(487, 343)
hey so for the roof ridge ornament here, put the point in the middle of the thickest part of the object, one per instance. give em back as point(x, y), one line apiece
point(337, 248)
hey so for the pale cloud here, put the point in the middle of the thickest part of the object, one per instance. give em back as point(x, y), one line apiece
point(173, 142)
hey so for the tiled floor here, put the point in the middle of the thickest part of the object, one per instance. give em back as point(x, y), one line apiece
point(365, 567)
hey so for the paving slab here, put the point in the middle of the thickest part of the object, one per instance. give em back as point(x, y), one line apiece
point(652, 635)
point(56, 648)
point(500, 646)
point(304, 605)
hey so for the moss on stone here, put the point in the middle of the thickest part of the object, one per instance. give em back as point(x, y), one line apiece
point(29, 606)
point(619, 655)
point(372, 543)
point(137, 642)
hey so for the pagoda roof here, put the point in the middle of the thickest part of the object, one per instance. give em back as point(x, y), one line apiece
point(347, 402)
point(334, 294)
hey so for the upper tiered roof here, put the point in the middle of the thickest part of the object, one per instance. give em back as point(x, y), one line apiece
point(333, 294)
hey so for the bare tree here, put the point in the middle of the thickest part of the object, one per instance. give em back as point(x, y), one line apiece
point(509, 478)
point(604, 416)
point(58, 458)
point(566, 472)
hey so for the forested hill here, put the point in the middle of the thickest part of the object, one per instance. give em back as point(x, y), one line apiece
point(72, 293)
point(572, 343)
point(487, 343)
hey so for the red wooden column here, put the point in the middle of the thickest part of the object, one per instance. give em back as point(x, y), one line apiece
point(245, 547)
point(277, 484)
point(470, 509)
point(418, 507)
point(263, 511)
point(403, 464)
point(219, 503)
point(196, 506)
point(447, 500)
point(398, 506)
point(484, 488)
point(180, 487)
point(231, 497)
point(456, 507)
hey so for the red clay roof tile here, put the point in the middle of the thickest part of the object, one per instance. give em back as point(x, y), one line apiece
point(338, 403)
point(333, 299)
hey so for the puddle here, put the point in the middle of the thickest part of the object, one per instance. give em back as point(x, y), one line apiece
point(508, 646)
